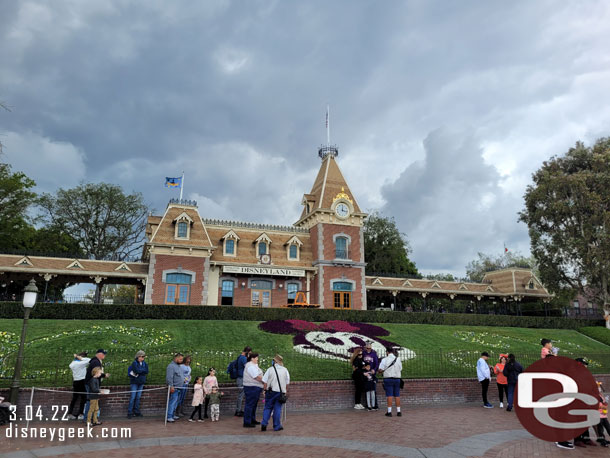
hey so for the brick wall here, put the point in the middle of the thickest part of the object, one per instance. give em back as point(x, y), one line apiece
point(353, 249)
point(304, 396)
point(355, 274)
point(168, 262)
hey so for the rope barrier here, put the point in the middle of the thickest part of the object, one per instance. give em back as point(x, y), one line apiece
point(112, 392)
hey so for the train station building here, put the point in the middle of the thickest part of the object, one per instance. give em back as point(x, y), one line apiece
point(192, 260)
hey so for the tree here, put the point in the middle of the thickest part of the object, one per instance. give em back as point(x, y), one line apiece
point(387, 249)
point(441, 277)
point(106, 223)
point(15, 199)
point(476, 269)
point(567, 211)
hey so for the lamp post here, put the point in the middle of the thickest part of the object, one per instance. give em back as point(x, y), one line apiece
point(29, 299)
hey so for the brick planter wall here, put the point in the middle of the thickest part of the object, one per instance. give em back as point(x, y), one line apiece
point(303, 396)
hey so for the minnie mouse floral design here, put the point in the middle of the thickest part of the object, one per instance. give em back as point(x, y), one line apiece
point(334, 339)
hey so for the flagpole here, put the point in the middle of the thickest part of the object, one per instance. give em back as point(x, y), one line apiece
point(181, 186)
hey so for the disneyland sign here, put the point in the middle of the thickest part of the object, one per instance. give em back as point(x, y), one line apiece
point(263, 271)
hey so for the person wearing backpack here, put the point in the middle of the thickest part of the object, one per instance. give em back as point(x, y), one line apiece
point(240, 364)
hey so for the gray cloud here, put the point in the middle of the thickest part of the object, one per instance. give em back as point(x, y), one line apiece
point(234, 94)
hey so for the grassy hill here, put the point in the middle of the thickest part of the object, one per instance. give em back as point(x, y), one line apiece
point(440, 351)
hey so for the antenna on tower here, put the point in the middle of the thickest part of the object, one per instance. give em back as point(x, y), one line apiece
point(324, 151)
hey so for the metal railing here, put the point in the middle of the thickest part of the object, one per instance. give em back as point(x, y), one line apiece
point(51, 368)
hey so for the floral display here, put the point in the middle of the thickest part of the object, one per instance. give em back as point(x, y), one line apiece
point(334, 339)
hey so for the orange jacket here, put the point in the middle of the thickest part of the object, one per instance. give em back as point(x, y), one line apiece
point(500, 377)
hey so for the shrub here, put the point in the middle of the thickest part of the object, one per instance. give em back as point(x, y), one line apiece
point(69, 311)
point(601, 334)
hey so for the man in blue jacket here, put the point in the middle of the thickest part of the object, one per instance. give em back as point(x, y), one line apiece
point(137, 378)
point(241, 363)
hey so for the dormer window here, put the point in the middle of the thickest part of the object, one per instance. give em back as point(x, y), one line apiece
point(183, 226)
point(262, 248)
point(293, 250)
point(229, 247)
point(263, 245)
point(531, 284)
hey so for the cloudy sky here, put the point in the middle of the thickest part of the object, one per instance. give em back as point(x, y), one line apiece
point(441, 110)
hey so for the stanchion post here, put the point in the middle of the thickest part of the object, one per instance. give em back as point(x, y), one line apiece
point(167, 404)
point(27, 423)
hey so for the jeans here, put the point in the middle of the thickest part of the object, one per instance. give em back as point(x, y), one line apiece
point(134, 399)
point(509, 396)
point(78, 386)
point(182, 392)
point(272, 405)
point(173, 402)
point(240, 394)
point(252, 394)
point(484, 388)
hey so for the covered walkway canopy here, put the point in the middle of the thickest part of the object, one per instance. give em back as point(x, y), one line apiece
point(64, 272)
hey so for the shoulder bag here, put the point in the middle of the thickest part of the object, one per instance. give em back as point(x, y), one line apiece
point(283, 396)
point(402, 382)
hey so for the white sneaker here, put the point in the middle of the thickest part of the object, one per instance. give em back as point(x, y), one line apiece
point(81, 417)
point(359, 407)
point(501, 405)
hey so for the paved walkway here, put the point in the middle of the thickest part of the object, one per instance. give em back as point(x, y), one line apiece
point(421, 432)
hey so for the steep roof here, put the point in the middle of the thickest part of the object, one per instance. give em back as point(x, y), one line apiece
point(329, 183)
point(164, 231)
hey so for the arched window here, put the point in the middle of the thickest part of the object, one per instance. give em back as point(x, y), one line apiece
point(230, 246)
point(177, 289)
point(227, 292)
point(291, 289)
point(262, 248)
point(341, 248)
point(293, 251)
point(182, 229)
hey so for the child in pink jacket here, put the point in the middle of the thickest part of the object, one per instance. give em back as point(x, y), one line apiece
point(197, 398)
point(208, 383)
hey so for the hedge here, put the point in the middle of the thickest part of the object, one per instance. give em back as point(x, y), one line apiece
point(70, 311)
point(601, 334)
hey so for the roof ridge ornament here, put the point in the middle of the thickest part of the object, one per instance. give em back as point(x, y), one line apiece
point(342, 195)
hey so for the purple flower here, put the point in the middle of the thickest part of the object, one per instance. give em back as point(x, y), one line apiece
point(334, 341)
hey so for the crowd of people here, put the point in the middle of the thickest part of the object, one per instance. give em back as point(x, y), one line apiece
point(507, 372)
point(252, 381)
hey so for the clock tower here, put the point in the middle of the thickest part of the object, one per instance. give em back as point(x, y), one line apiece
point(335, 224)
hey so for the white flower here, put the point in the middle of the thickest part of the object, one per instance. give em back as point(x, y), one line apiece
point(341, 343)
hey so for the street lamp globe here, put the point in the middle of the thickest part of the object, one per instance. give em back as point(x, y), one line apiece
point(29, 294)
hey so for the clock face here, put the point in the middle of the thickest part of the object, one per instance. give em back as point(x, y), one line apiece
point(342, 210)
point(265, 259)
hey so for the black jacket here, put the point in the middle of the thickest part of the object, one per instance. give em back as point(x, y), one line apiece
point(94, 388)
point(95, 362)
point(511, 371)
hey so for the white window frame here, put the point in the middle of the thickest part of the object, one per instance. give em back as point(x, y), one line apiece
point(183, 217)
point(231, 235)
